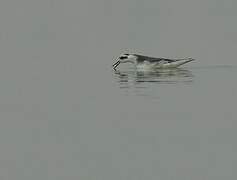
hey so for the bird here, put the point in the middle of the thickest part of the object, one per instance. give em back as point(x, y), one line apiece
point(146, 62)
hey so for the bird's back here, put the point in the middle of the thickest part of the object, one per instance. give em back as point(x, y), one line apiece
point(141, 59)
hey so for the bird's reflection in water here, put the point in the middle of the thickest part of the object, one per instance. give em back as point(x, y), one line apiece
point(143, 79)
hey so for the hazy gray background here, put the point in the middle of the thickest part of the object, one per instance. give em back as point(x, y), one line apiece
point(64, 114)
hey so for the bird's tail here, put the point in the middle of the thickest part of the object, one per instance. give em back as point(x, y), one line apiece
point(186, 59)
point(179, 62)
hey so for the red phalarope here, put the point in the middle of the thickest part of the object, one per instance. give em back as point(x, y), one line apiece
point(146, 62)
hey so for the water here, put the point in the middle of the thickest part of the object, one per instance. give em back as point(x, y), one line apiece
point(66, 114)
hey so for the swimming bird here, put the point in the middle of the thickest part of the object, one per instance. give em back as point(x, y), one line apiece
point(147, 63)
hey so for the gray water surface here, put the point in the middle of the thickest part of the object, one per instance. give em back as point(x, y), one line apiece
point(66, 114)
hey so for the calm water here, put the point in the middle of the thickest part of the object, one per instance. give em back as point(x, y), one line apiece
point(65, 114)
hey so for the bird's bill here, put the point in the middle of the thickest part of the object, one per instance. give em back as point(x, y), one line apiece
point(116, 64)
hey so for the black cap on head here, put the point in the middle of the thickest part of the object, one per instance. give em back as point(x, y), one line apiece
point(123, 57)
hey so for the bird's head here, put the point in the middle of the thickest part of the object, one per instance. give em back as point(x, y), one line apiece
point(124, 58)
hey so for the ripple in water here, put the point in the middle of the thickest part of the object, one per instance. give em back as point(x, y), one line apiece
point(142, 79)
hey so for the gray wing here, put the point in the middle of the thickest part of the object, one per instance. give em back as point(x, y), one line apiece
point(141, 59)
